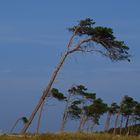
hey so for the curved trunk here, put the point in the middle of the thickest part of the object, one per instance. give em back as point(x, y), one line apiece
point(131, 123)
point(127, 121)
point(107, 123)
point(39, 119)
point(15, 125)
point(121, 124)
point(65, 115)
point(83, 120)
point(45, 93)
point(116, 122)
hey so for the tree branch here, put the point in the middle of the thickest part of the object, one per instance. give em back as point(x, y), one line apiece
point(77, 47)
point(71, 39)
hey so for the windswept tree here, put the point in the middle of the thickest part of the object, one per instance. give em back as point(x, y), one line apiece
point(75, 110)
point(88, 99)
point(118, 113)
point(77, 99)
point(136, 113)
point(86, 37)
point(24, 120)
point(95, 111)
point(112, 110)
point(126, 111)
point(136, 119)
point(127, 108)
point(55, 93)
point(71, 92)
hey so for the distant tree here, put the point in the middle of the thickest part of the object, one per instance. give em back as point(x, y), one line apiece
point(77, 98)
point(87, 101)
point(58, 95)
point(127, 108)
point(74, 110)
point(136, 113)
point(118, 113)
point(132, 113)
point(95, 111)
point(112, 110)
point(84, 38)
point(71, 92)
point(136, 118)
point(23, 119)
point(55, 93)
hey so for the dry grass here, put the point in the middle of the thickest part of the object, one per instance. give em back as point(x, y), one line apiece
point(69, 136)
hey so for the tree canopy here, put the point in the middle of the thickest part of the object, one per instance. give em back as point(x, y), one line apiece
point(90, 34)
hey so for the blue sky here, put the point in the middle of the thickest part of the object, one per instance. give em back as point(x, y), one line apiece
point(33, 35)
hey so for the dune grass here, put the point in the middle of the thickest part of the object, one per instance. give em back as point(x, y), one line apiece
point(70, 136)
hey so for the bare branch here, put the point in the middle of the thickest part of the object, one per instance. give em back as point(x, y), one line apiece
point(92, 50)
point(71, 39)
point(78, 46)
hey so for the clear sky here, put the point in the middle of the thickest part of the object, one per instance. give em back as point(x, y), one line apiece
point(33, 35)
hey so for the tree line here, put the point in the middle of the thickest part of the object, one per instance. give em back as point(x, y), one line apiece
point(85, 107)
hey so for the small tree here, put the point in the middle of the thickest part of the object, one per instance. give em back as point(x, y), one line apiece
point(118, 113)
point(71, 92)
point(112, 110)
point(88, 99)
point(55, 93)
point(95, 111)
point(127, 108)
point(136, 119)
point(77, 99)
point(88, 36)
point(23, 119)
point(74, 110)
point(136, 112)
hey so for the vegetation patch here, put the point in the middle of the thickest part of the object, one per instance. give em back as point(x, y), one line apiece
point(70, 136)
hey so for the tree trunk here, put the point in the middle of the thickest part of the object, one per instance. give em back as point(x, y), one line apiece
point(107, 123)
point(15, 125)
point(65, 115)
point(39, 119)
point(83, 120)
point(131, 125)
point(45, 93)
point(121, 124)
point(116, 122)
point(127, 121)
